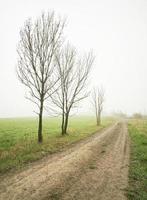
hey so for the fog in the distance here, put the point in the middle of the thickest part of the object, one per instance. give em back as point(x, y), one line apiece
point(116, 30)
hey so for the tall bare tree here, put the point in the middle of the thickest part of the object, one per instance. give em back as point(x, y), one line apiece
point(73, 72)
point(39, 40)
point(98, 95)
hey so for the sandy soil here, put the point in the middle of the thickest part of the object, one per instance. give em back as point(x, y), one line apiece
point(93, 169)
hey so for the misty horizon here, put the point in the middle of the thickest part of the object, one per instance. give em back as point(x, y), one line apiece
point(116, 31)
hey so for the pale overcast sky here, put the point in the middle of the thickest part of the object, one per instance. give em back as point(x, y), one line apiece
point(116, 30)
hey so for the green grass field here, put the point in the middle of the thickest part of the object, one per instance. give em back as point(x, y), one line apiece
point(18, 138)
point(138, 162)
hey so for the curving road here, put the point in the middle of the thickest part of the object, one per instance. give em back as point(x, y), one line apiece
point(93, 169)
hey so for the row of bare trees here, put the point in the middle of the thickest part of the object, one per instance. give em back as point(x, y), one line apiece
point(52, 70)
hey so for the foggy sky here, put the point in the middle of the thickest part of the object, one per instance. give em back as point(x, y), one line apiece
point(116, 30)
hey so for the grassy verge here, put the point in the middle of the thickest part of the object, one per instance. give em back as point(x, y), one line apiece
point(18, 138)
point(138, 163)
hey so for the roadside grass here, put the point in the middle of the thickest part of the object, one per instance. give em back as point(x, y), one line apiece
point(18, 138)
point(138, 162)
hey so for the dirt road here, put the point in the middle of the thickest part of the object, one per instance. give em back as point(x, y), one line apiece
point(94, 169)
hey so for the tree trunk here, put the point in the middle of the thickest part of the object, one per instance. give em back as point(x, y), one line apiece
point(62, 126)
point(99, 119)
point(40, 137)
point(66, 123)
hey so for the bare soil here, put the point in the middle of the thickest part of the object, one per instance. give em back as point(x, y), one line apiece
point(93, 169)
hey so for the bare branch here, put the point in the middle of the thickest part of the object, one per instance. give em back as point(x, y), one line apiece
point(73, 73)
point(98, 99)
point(39, 42)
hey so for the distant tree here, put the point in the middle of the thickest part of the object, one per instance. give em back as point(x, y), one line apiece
point(73, 73)
point(39, 41)
point(137, 115)
point(97, 102)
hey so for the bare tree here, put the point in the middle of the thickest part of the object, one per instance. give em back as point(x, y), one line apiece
point(39, 40)
point(98, 101)
point(73, 73)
